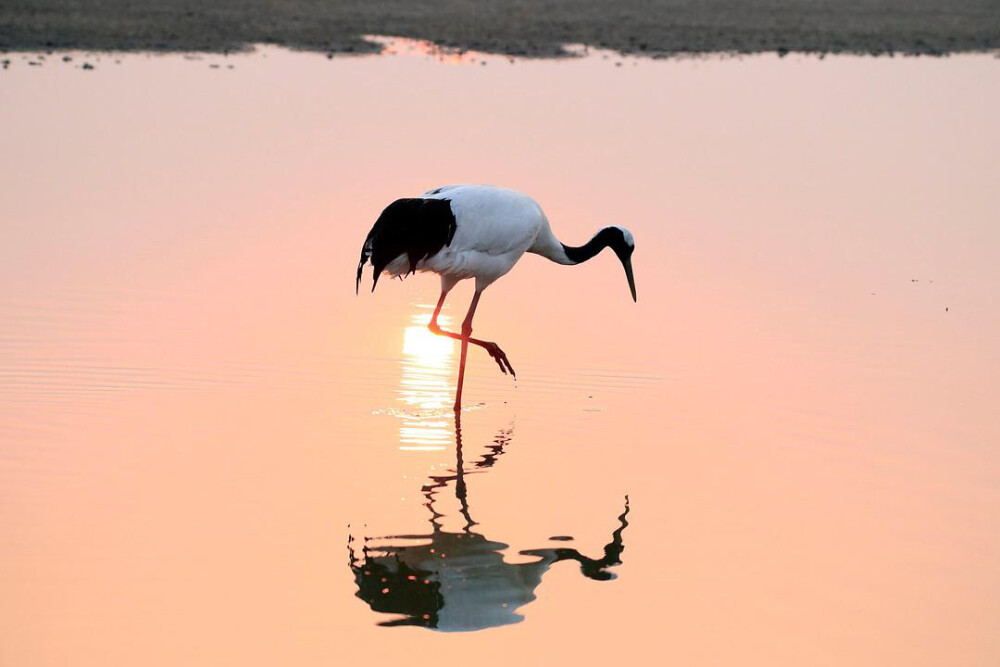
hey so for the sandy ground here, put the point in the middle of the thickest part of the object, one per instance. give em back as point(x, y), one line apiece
point(517, 27)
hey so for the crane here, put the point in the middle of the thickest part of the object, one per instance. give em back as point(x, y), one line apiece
point(474, 231)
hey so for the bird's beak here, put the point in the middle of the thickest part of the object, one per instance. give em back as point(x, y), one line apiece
point(627, 263)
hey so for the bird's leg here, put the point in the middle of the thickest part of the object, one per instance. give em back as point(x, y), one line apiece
point(433, 324)
point(492, 348)
point(466, 333)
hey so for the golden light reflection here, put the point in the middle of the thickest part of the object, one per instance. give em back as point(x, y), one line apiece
point(428, 349)
point(426, 385)
point(442, 54)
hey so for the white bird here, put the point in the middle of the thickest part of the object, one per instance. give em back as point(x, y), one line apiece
point(474, 231)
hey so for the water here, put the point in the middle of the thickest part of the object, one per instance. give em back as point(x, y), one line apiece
point(202, 428)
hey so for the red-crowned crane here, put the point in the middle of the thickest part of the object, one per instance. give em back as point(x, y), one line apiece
point(474, 231)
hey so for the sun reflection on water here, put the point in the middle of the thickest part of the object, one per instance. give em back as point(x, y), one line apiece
point(426, 386)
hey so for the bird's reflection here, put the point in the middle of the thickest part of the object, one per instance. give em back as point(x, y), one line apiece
point(459, 581)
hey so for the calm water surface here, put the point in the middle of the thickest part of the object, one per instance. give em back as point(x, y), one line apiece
point(787, 452)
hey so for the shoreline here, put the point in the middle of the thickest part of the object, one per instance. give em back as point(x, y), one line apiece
point(652, 28)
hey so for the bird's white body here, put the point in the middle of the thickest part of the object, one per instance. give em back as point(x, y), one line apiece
point(495, 227)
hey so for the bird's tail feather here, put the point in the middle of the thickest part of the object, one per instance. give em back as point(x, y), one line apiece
point(366, 252)
point(412, 228)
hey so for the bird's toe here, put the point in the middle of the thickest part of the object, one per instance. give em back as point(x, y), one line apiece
point(501, 358)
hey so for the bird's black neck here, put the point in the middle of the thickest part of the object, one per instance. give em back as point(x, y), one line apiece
point(602, 239)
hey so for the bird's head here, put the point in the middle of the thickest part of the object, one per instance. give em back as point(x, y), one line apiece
point(620, 240)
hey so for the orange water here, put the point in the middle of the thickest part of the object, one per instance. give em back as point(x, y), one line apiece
point(197, 413)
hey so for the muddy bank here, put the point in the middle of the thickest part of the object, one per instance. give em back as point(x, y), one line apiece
point(517, 27)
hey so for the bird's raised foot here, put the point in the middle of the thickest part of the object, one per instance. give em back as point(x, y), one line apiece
point(498, 356)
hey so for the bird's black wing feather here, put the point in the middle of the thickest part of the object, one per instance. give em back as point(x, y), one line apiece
point(417, 228)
